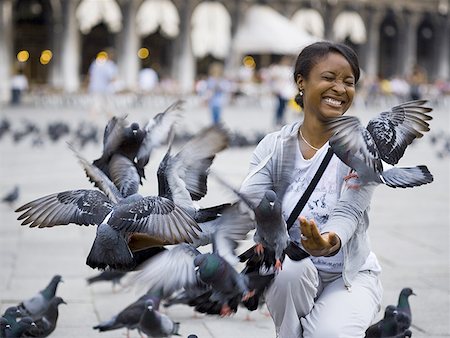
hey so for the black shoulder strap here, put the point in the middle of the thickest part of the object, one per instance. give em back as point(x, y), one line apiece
point(302, 201)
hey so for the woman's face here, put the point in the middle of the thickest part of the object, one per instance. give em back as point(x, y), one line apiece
point(330, 87)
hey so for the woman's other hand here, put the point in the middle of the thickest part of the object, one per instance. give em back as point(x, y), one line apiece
point(316, 244)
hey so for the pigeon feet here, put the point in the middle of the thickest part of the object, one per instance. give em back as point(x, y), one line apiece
point(248, 295)
point(278, 266)
point(259, 249)
point(225, 311)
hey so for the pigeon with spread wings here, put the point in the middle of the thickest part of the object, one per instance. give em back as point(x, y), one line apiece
point(385, 138)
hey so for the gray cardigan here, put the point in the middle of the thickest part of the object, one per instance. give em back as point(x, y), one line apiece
point(349, 219)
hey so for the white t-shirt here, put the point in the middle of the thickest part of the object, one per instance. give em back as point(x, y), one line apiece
point(319, 206)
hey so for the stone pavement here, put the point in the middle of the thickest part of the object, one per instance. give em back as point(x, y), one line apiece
point(409, 228)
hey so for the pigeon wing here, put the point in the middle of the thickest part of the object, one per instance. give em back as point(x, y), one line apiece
point(187, 172)
point(169, 271)
point(113, 135)
point(350, 139)
point(124, 175)
point(394, 130)
point(83, 207)
point(156, 216)
point(157, 131)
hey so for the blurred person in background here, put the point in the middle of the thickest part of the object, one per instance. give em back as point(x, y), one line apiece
point(148, 79)
point(216, 91)
point(336, 291)
point(417, 79)
point(19, 84)
point(102, 80)
point(280, 78)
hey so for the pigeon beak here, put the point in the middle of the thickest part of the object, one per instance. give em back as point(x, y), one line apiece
point(33, 324)
point(271, 204)
point(63, 302)
point(196, 268)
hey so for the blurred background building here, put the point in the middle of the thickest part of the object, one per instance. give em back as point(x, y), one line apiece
point(54, 42)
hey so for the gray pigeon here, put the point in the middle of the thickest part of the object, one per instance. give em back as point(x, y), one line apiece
point(116, 216)
point(404, 308)
point(127, 149)
point(12, 195)
point(271, 228)
point(46, 323)
point(185, 268)
point(20, 328)
point(129, 317)
point(113, 276)
point(4, 325)
point(385, 138)
point(38, 304)
point(156, 324)
point(386, 327)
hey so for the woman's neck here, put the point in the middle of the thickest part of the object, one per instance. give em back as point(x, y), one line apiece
point(312, 136)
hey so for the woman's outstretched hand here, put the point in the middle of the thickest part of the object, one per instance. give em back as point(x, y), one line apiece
point(317, 244)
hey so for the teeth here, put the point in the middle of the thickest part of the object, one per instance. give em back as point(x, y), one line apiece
point(333, 101)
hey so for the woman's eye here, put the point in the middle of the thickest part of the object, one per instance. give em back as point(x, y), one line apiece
point(327, 78)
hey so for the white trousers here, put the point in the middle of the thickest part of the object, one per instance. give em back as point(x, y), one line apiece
point(304, 302)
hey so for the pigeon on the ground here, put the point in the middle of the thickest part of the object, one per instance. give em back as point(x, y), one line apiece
point(156, 324)
point(385, 138)
point(38, 304)
point(46, 323)
point(113, 276)
point(386, 327)
point(403, 306)
point(20, 328)
point(11, 314)
point(4, 325)
point(12, 195)
point(129, 317)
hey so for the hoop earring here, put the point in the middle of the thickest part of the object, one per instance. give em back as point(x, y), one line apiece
point(301, 93)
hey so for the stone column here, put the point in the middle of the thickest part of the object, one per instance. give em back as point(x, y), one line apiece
point(408, 49)
point(443, 49)
point(184, 66)
point(70, 48)
point(372, 48)
point(55, 77)
point(128, 61)
point(6, 50)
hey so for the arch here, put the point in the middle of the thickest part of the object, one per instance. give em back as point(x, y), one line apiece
point(211, 30)
point(309, 20)
point(349, 25)
point(158, 14)
point(90, 13)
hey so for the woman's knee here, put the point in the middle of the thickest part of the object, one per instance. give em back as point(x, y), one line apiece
point(297, 272)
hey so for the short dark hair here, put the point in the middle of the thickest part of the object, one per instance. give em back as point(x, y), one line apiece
point(311, 54)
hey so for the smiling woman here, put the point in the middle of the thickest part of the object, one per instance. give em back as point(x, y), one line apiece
point(311, 297)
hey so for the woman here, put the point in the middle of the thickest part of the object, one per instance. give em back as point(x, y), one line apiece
point(337, 291)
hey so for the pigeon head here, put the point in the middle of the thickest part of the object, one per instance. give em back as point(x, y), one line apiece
point(58, 300)
point(149, 304)
point(26, 322)
point(4, 324)
point(13, 312)
point(391, 311)
point(50, 291)
point(406, 292)
point(270, 196)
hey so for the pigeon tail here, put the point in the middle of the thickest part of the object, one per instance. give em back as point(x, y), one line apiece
point(407, 177)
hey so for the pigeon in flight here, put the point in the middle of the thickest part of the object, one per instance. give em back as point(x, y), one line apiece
point(271, 228)
point(38, 304)
point(211, 273)
point(385, 138)
point(127, 149)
